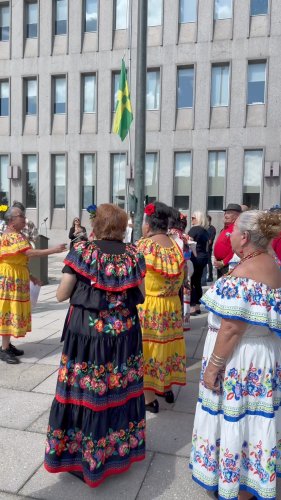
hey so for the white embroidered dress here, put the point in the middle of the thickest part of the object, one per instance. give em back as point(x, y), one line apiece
point(236, 442)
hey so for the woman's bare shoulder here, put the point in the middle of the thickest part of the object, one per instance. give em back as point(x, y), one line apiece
point(262, 269)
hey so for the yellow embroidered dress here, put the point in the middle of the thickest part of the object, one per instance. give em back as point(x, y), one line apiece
point(15, 312)
point(161, 317)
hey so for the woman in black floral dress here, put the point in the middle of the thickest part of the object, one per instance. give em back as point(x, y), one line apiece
point(97, 419)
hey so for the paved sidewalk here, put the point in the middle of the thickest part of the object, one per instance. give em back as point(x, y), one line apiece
point(26, 393)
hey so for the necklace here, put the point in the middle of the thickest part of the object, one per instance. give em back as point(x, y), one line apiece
point(248, 257)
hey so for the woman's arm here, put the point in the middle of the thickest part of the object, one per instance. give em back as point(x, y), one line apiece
point(35, 252)
point(230, 332)
point(71, 233)
point(66, 286)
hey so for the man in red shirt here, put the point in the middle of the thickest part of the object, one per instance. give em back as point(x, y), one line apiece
point(222, 249)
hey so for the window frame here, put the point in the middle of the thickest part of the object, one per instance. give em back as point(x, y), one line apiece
point(112, 156)
point(26, 80)
point(157, 153)
point(115, 16)
point(82, 185)
point(25, 164)
point(249, 149)
point(85, 20)
point(220, 65)
point(252, 62)
point(7, 81)
point(55, 21)
point(53, 185)
point(8, 183)
point(154, 70)
point(4, 5)
point(216, 150)
point(182, 67)
point(223, 18)
point(83, 76)
point(260, 14)
point(162, 16)
point(176, 152)
point(27, 3)
point(55, 78)
point(196, 9)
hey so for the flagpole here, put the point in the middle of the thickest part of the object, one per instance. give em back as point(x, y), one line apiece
point(129, 16)
point(140, 116)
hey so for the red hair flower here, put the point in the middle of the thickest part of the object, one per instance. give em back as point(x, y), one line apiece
point(149, 209)
point(182, 216)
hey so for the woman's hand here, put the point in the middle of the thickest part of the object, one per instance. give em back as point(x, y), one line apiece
point(59, 248)
point(210, 378)
point(35, 281)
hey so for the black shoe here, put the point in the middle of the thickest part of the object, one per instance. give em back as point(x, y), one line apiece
point(15, 351)
point(197, 311)
point(7, 356)
point(77, 474)
point(153, 407)
point(169, 396)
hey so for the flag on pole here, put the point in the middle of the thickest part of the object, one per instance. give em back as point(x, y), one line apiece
point(123, 111)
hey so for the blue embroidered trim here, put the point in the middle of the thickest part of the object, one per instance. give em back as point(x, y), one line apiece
point(236, 419)
point(240, 318)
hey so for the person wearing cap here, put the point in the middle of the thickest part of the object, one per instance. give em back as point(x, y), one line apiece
point(223, 252)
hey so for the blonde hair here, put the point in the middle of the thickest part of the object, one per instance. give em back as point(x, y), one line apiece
point(261, 226)
point(200, 218)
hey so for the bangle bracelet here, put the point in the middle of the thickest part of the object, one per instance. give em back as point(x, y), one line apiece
point(217, 362)
point(214, 363)
point(217, 357)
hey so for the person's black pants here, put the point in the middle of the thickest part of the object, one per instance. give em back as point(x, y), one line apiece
point(196, 288)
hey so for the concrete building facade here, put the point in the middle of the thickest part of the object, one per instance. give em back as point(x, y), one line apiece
point(213, 105)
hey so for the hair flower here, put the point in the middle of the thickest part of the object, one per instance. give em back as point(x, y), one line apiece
point(3, 208)
point(182, 216)
point(92, 209)
point(149, 209)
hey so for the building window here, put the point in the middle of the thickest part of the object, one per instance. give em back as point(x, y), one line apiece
point(121, 14)
point(31, 16)
point(4, 181)
point(153, 89)
point(253, 165)
point(185, 87)
point(223, 9)
point(30, 162)
point(4, 22)
point(115, 88)
point(118, 169)
point(188, 11)
point(31, 96)
point(151, 177)
point(216, 179)
point(182, 180)
point(91, 16)
point(59, 95)
point(4, 98)
point(88, 180)
point(154, 12)
point(220, 85)
point(259, 7)
point(60, 17)
point(256, 82)
point(89, 93)
point(59, 176)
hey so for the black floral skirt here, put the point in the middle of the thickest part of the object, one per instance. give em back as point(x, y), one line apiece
point(97, 419)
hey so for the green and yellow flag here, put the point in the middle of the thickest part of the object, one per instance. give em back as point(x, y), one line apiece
point(123, 111)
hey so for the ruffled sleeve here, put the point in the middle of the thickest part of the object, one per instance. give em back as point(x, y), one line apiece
point(13, 244)
point(246, 300)
point(110, 272)
point(168, 261)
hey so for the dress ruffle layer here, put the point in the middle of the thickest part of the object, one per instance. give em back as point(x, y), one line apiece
point(245, 300)
point(168, 261)
point(110, 272)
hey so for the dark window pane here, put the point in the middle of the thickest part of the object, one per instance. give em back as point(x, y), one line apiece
point(4, 33)
point(215, 202)
point(31, 187)
point(60, 27)
point(259, 7)
point(91, 15)
point(150, 199)
point(256, 92)
point(31, 105)
point(31, 30)
point(252, 200)
point(181, 202)
point(185, 87)
point(4, 106)
point(88, 196)
point(59, 197)
point(59, 107)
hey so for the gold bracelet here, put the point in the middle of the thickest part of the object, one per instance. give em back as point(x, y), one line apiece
point(217, 357)
point(217, 362)
point(214, 363)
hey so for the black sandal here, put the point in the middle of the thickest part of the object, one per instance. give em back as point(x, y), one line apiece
point(153, 407)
